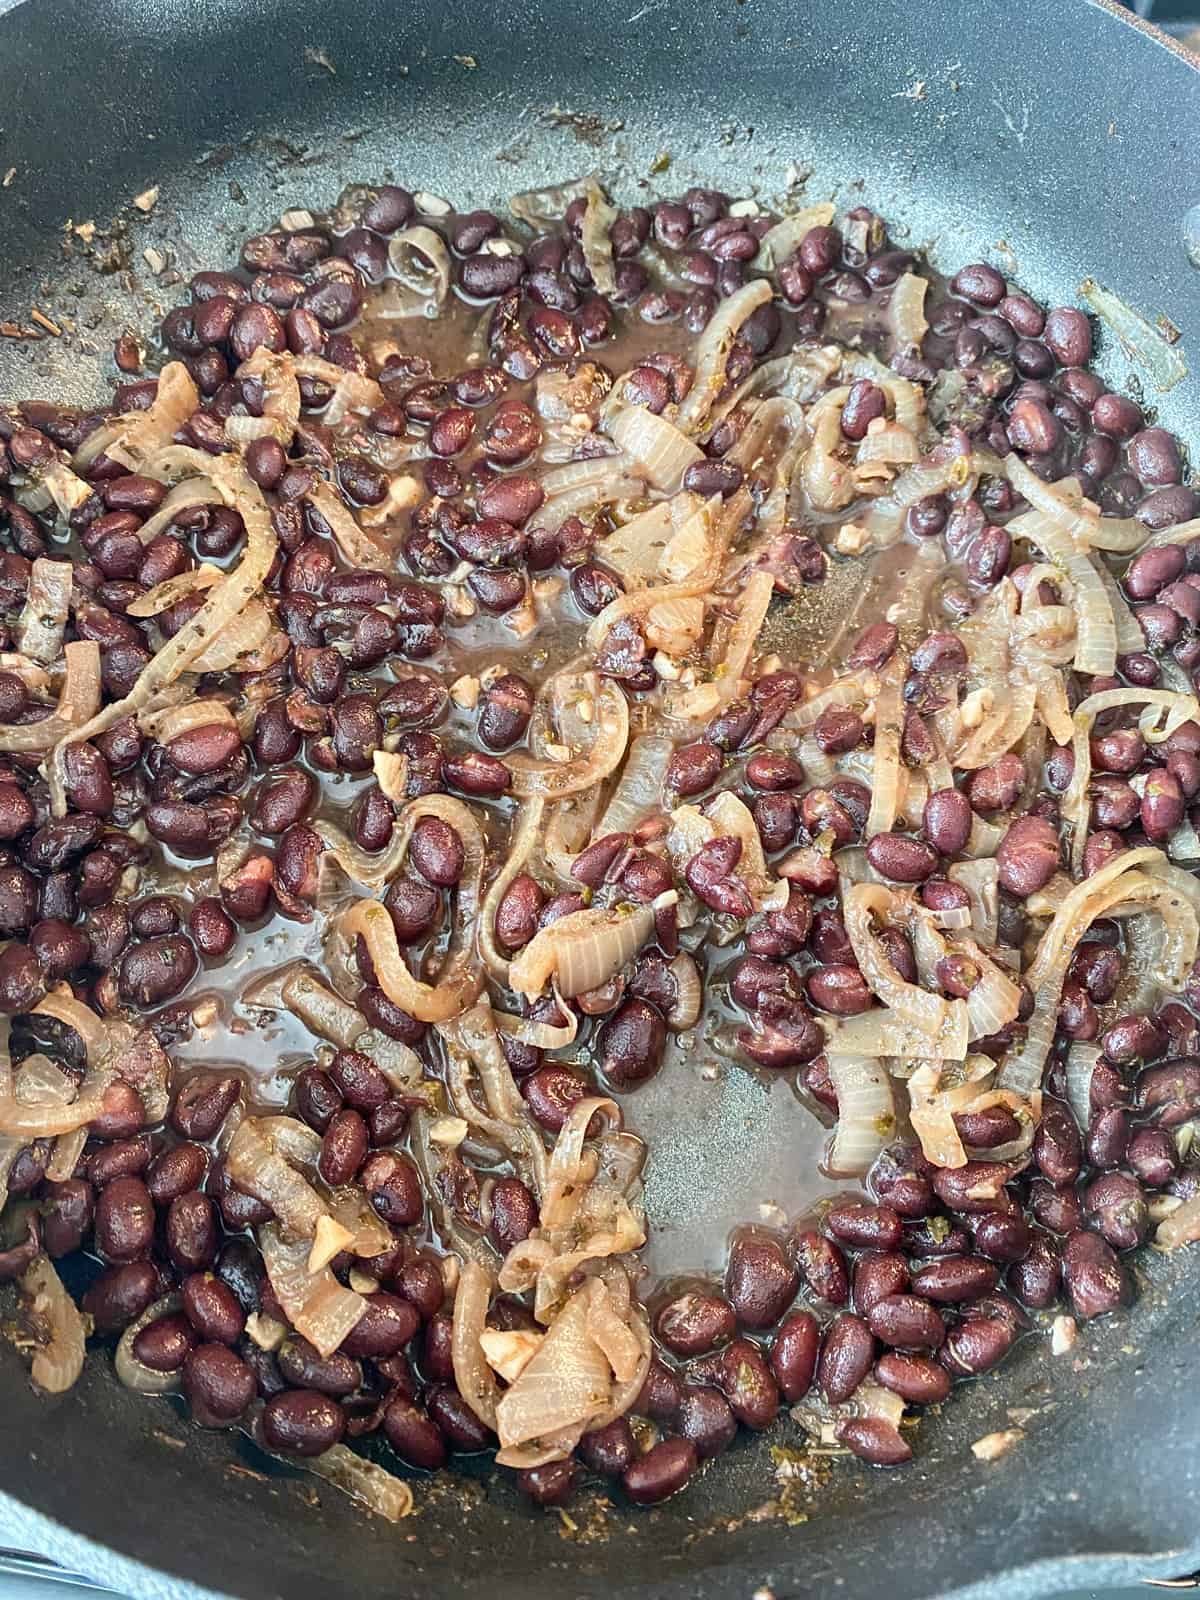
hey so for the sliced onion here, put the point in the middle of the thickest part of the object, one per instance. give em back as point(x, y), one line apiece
point(594, 237)
point(357, 546)
point(981, 881)
point(420, 267)
point(461, 977)
point(132, 1372)
point(68, 1148)
point(314, 1302)
point(661, 452)
point(565, 1177)
point(567, 1383)
point(889, 729)
point(135, 437)
point(866, 1113)
point(472, 1375)
point(636, 547)
point(353, 393)
point(581, 950)
point(580, 486)
point(554, 779)
point(275, 375)
point(640, 788)
point(943, 1020)
point(172, 590)
point(689, 993)
point(39, 631)
point(78, 702)
point(226, 601)
point(712, 353)
point(169, 723)
point(183, 497)
point(256, 1165)
point(1096, 633)
point(1181, 1227)
point(523, 840)
point(57, 1325)
point(906, 313)
point(784, 237)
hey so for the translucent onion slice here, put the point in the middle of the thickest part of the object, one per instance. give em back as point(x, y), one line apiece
point(315, 1303)
point(1096, 632)
point(565, 1176)
point(935, 1095)
point(639, 789)
point(523, 840)
point(981, 881)
point(420, 267)
point(636, 547)
point(78, 703)
point(780, 241)
point(256, 1164)
point(227, 601)
point(610, 719)
point(906, 313)
point(357, 546)
point(712, 353)
point(866, 1113)
point(474, 1378)
point(132, 1373)
point(660, 451)
point(944, 1021)
point(57, 1327)
point(889, 729)
point(169, 723)
point(183, 497)
point(1181, 1227)
point(275, 375)
point(583, 949)
point(567, 1383)
point(172, 590)
point(594, 237)
point(135, 437)
point(39, 631)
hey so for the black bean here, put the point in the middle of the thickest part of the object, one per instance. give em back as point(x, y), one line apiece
point(846, 1357)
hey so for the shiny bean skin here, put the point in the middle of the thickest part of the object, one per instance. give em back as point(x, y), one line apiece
point(302, 1422)
point(694, 1323)
point(914, 1378)
point(1094, 1278)
point(862, 1226)
point(212, 1308)
point(877, 1274)
point(794, 1354)
point(124, 1220)
point(661, 1472)
point(874, 1440)
point(822, 1266)
point(847, 1354)
point(955, 1279)
point(906, 1322)
point(760, 1281)
point(218, 1384)
point(745, 1380)
point(706, 1418)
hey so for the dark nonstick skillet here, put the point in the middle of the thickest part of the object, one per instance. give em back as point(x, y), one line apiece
point(1054, 136)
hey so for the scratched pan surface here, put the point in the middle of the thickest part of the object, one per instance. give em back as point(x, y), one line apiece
point(1054, 137)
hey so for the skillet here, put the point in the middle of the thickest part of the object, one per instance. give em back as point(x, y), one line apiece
point(1056, 138)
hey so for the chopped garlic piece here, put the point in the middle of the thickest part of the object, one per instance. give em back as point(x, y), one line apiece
point(851, 539)
point(585, 708)
point(449, 1131)
point(265, 1332)
point(362, 1282)
point(665, 667)
point(432, 204)
point(296, 221)
point(994, 1445)
point(329, 1240)
point(510, 1353)
point(975, 707)
point(147, 200)
point(1063, 1331)
point(464, 692)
